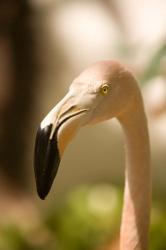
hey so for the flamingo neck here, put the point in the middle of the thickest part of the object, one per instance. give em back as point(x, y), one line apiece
point(137, 193)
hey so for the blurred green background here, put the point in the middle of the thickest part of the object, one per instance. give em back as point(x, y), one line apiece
point(44, 45)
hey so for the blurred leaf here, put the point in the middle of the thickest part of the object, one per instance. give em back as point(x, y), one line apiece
point(158, 228)
point(14, 238)
point(89, 216)
point(153, 67)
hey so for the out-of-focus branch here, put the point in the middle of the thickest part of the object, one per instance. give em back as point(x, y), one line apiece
point(16, 114)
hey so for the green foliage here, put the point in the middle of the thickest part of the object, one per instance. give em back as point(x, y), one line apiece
point(158, 228)
point(87, 219)
point(154, 66)
point(12, 238)
point(89, 216)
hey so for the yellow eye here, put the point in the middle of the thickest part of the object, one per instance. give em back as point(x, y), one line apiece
point(105, 89)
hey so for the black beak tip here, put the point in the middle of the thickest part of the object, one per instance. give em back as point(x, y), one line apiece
point(46, 160)
point(42, 193)
point(42, 197)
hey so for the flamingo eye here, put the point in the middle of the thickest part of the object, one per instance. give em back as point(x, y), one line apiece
point(105, 89)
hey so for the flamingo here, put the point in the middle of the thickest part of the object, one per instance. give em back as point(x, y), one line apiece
point(105, 90)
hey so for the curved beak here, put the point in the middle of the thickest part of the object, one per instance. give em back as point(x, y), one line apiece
point(53, 135)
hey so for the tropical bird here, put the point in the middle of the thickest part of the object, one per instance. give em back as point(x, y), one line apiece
point(104, 90)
